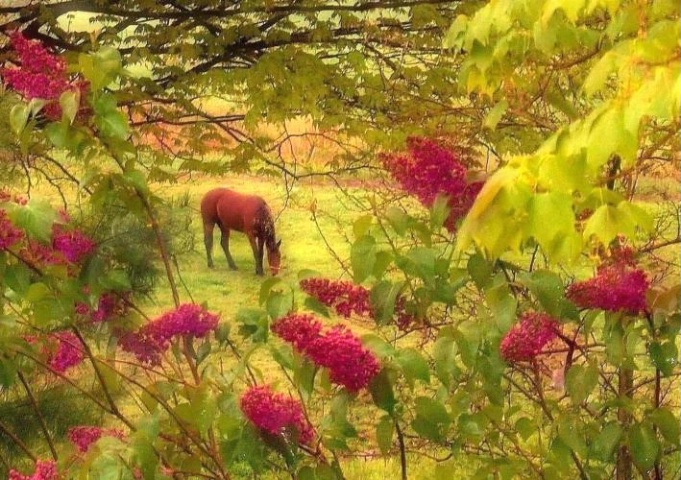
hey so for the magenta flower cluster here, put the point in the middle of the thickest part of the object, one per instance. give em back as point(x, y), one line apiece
point(9, 234)
point(64, 352)
point(44, 470)
point(338, 350)
point(73, 244)
point(347, 298)
point(276, 414)
point(429, 170)
point(298, 329)
point(84, 436)
point(617, 287)
point(526, 339)
point(154, 338)
point(41, 74)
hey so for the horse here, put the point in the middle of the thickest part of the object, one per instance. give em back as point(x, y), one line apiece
point(230, 210)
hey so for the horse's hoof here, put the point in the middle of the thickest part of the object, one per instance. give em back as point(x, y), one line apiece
point(211, 266)
point(233, 267)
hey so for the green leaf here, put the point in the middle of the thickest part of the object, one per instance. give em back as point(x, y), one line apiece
point(606, 223)
point(279, 304)
point(265, 288)
point(413, 365)
point(361, 226)
point(668, 424)
point(525, 427)
point(580, 381)
point(363, 257)
point(18, 117)
point(643, 445)
point(607, 440)
point(570, 434)
point(378, 346)
point(480, 271)
point(599, 74)
point(382, 391)
point(397, 219)
point(101, 67)
point(664, 356)
point(383, 296)
point(36, 217)
point(69, 102)
point(433, 411)
point(444, 353)
point(384, 434)
point(547, 287)
point(439, 212)
point(551, 221)
point(494, 116)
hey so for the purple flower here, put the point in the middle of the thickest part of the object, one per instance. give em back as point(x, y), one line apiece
point(276, 413)
point(526, 339)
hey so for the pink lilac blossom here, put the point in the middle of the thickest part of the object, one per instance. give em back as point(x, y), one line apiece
point(616, 287)
point(150, 341)
point(84, 436)
point(67, 352)
point(44, 470)
point(429, 170)
point(41, 74)
point(297, 329)
point(73, 244)
point(526, 339)
point(9, 234)
point(276, 414)
point(338, 350)
point(347, 298)
point(342, 353)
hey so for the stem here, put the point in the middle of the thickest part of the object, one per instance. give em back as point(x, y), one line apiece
point(161, 247)
point(403, 451)
point(624, 460)
point(38, 414)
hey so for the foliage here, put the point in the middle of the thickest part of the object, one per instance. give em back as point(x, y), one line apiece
point(475, 349)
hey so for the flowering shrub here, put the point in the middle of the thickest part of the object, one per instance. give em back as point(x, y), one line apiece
point(65, 352)
point(73, 244)
point(298, 329)
point(347, 298)
point(616, 287)
point(150, 341)
point(9, 234)
point(276, 414)
point(44, 470)
point(526, 339)
point(84, 436)
point(339, 350)
point(429, 170)
point(40, 75)
point(342, 353)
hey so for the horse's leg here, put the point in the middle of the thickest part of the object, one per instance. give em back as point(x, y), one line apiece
point(208, 241)
point(258, 253)
point(224, 242)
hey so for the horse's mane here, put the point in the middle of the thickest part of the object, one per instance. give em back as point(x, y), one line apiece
point(265, 226)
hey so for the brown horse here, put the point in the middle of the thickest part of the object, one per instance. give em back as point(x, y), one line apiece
point(249, 214)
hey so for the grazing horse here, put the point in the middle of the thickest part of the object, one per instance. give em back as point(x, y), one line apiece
point(249, 214)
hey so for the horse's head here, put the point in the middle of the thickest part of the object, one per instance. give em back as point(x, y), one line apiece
point(274, 257)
